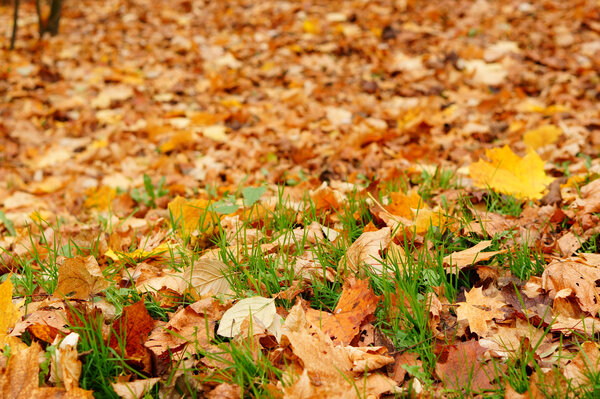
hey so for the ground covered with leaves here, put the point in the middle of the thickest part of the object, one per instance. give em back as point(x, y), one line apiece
point(301, 200)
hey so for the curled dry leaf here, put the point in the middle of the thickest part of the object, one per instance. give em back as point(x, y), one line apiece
point(20, 378)
point(79, 278)
point(469, 256)
point(193, 324)
point(579, 277)
point(367, 250)
point(134, 389)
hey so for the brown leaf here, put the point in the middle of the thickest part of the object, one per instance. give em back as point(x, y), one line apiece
point(327, 368)
point(19, 380)
point(193, 324)
point(80, 277)
point(131, 330)
point(469, 256)
point(357, 303)
point(579, 277)
point(366, 250)
point(461, 365)
point(478, 310)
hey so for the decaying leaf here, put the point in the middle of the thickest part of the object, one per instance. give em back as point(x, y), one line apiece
point(20, 378)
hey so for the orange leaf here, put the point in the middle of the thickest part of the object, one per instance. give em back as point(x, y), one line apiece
point(356, 305)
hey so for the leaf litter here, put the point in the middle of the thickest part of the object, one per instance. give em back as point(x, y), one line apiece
point(276, 199)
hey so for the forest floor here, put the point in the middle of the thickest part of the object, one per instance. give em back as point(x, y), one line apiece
point(301, 200)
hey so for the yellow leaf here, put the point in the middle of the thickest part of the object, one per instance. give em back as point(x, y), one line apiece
point(215, 132)
point(180, 139)
point(541, 136)
point(402, 204)
point(138, 254)
point(100, 197)
point(9, 313)
point(192, 214)
point(426, 218)
point(311, 26)
point(508, 173)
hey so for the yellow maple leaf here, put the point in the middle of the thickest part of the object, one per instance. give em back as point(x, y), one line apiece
point(192, 215)
point(543, 135)
point(138, 254)
point(9, 313)
point(100, 198)
point(403, 204)
point(508, 173)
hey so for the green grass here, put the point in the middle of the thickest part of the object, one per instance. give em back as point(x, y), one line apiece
point(258, 268)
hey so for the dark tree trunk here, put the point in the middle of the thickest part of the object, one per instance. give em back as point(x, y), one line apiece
point(13, 38)
point(52, 23)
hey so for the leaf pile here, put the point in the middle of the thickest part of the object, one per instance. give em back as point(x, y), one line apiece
point(301, 200)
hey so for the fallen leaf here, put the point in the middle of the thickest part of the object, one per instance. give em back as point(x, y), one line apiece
point(193, 324)
point(79, 278)
point(507, 173)
point(20, 378)
point(542, 136)
point(462, 365)
point(356, 304)
point(192, 214)
point(134, 389)
point(579, 277)
point(130, 332)
point(259, 308)
point(478, 310)
point(366, 250)
point(327, 368)
point(10, 313)
point(206, 276)
point(469, 256)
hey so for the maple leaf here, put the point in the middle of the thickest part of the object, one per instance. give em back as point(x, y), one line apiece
point(130, 332)
point(366, 250)
point(543, 135)
point(478, 310)
point(329, 366)
point(462, 365)
point(579, 277)
point(507, 173)
point(356, 304)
